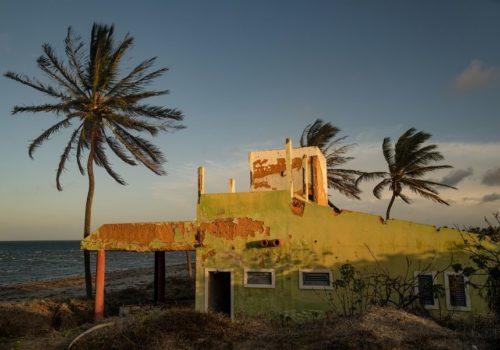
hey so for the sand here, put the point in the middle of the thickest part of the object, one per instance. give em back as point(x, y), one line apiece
point(73, 286)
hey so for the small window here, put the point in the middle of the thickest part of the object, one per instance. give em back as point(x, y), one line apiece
point(424, 288)
point(259, 278)
point(457, 292)
point(315, 279)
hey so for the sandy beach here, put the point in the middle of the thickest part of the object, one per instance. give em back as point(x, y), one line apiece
point(73, 287)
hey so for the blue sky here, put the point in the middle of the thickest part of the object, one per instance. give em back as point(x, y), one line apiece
point(247, 74)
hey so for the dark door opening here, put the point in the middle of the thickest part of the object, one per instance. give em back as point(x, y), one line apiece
point(219, 292)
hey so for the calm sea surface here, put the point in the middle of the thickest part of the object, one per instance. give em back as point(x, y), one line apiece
point(25, 261)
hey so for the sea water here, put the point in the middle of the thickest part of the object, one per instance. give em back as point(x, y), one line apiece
point(24, 261)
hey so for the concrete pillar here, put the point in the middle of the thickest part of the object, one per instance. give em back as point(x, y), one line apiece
point(155, 280)
point(188, 263)
point(232, 186)
point(161, 277)
point(99, 285)
point(201, 182)
point(306, 174)
point(288, 161)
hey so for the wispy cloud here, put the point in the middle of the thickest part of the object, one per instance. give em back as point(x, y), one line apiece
point(490, 198)
point(491, 177)
point(477, 75)
point(454, 177)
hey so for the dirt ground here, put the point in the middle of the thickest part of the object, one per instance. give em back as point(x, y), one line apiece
point(51, 314)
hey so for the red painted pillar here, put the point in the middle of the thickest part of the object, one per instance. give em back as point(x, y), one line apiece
point(99, 285)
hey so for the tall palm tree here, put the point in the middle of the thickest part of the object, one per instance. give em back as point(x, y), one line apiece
point(408, 162)
point(324, 136)
point(104, 106)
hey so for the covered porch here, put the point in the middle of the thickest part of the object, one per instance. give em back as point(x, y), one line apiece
point(157, 237)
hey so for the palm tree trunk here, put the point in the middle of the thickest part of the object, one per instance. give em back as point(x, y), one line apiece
point(88, 218)
point(388, 212)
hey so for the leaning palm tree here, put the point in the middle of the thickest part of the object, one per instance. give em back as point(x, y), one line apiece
point(104, 106)
point(408, 162)
point(324, 136)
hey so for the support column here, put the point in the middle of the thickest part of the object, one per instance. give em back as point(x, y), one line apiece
point(188, 263)
point(232, 186)
point(99, 285)
point(306, 175)
point(155, 278)
point(288, 161)
point(201, 182)
point(161, 277)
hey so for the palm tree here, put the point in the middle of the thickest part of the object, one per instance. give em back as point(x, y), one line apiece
point(408, 162)
point(104, 106)
point(323, 135)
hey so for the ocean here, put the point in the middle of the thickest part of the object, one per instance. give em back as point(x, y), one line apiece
point(25, 261)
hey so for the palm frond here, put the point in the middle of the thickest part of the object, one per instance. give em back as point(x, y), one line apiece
point(420, 171)
point(47, 133)
point(73, 46)
point(377, 190)
point(53, 66)
point(370, 176)
point(119, 151)
point(65, 156)
point(405, 198)
point(428, 195)
point(387, 150)
point(37, 85)
point(318, 134)
point(102, 161)
point(47, 108)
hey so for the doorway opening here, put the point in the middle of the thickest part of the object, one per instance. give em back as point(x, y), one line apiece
point(219, 294)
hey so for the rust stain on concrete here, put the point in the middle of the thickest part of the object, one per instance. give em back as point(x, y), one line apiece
point(261, 168)
point(144, 232)
point(262, 184)
point(297, 206)
point(208, 254)
point(231, 228)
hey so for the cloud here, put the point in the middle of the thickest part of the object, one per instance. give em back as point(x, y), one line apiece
point(490, 198)
point(454, 177)
point(476, 75)
point(491, 177)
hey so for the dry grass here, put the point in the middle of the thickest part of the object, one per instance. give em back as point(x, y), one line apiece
point(40, 316)
point(172, 329)
point(379, 328)
point(53, 324)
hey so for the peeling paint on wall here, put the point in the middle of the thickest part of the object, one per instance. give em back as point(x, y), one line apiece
point(232, 228)
point(297, 206)
point(268, 172)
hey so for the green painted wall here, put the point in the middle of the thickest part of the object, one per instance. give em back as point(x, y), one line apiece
point(318, 238)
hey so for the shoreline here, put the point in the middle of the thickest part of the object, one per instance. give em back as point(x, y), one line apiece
point(74, 286)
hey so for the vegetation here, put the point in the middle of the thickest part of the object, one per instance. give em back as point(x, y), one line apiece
point(104, 106)
point(408, 161)
point(55, 323)
point(324, 136)
point(355, 291)
point(376, 328)
point(483, 246)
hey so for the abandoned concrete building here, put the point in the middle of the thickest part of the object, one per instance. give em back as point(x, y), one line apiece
point(277, 248)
